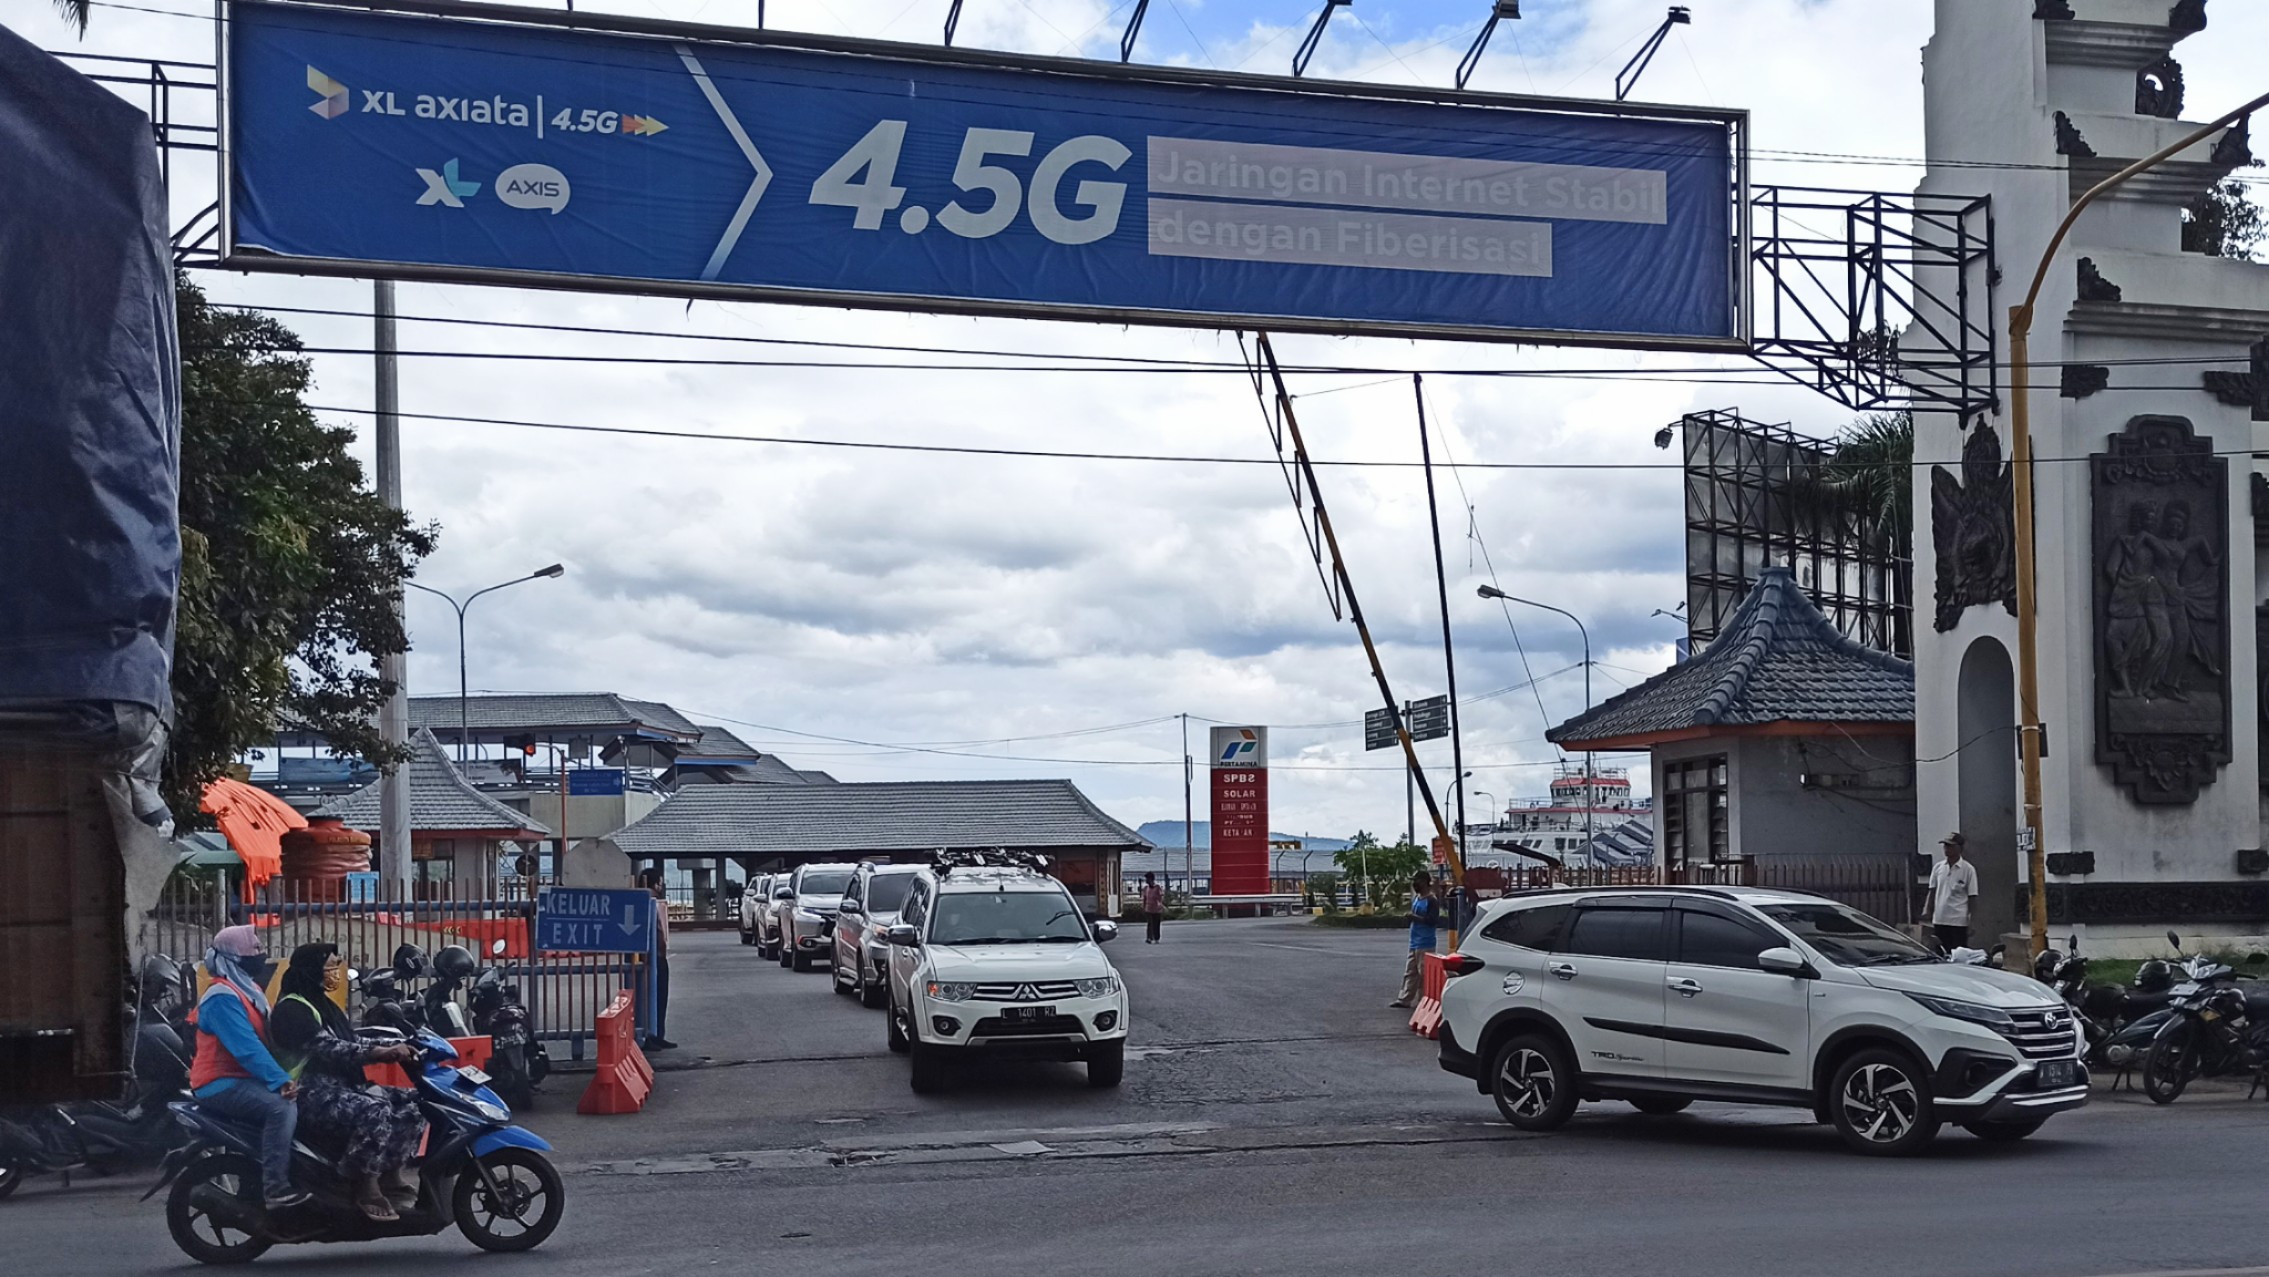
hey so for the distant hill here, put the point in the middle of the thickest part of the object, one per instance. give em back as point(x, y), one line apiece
point(1168, 833)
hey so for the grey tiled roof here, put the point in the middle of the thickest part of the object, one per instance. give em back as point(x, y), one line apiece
point(717, 745)
point(1777, 660)
point(592, 713)
point(441, 799)
point(872, 818)
point(812, 777)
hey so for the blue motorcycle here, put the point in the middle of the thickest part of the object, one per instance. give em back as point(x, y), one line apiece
point(479, 1172)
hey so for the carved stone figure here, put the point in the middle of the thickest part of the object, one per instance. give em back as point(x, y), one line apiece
point(2188, 17)
point(2248, 389)
point(2235, 149)
point(2093, 286)
point(2053, 10)
point(2068, 139)
point(1973, 529)
point(2082, 380)
point(2161, 610)
point(2159, 90)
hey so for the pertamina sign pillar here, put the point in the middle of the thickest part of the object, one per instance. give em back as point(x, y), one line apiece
point(1240, 811)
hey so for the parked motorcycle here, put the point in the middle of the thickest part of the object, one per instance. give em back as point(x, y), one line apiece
point(516, 1058)
point(2214, 1028)
point(2116, 1022)
point(453, 965)
point(481, 1173)
point(105, 1135)
point(385, 1004)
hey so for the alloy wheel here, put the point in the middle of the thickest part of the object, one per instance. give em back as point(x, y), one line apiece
point(1881, 1103)
point(1528, 1082)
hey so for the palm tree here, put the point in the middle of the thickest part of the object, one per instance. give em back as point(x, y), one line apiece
point(75, 12)
point(1868, 481)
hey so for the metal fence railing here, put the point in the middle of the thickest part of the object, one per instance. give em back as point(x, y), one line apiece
point(564, 992)
point(1880, 885)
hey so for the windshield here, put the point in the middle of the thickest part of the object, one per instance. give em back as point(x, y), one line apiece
point(888, 895)
point(1006, 917)
point(1846, 935)
point(825, 882)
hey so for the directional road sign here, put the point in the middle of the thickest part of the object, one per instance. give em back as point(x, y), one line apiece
point(1378, 729)
point(569, 149)
point(584, 920)
point(1430, 718)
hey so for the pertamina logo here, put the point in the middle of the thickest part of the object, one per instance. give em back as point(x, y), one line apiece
point(1243, 747)
point(446, 188)
point(333, 94)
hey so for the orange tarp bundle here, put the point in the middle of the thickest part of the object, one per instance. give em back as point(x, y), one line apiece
point(255, 822)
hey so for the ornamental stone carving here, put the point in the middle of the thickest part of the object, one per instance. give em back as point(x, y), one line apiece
point(1973, 529)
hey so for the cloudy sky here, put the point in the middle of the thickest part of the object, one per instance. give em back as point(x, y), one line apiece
point(918, 615)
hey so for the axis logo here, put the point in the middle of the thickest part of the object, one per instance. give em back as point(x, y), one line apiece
point(446, 188)
point(332, 93)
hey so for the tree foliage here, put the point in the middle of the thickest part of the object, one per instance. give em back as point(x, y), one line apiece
point(1382, 874)
point(292, 567)
point(1868, 482)
point(2223, 223)
point(75, 12)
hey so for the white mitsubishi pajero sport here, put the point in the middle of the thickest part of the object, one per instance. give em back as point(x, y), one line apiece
point(1661, 996)
point(990, 961)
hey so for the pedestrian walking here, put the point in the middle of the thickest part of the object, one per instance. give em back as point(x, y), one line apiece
point(1425, 915)
point(1153, 907)
point(1953, 886)
point(656, 1040)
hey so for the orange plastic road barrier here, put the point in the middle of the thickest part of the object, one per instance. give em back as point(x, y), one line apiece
point(1426, 1021)
point(624, 1079)
point(472, 1051)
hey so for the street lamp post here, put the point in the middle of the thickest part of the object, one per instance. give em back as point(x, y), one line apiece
point(1492, 808)
point(2021, 456)
point(1492, 592)
point(464, 703)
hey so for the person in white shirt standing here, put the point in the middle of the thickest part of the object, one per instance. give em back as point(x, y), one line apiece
point(1953, 888)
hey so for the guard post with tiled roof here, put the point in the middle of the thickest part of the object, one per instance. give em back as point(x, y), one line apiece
point(1782, 738)
point(455, 829)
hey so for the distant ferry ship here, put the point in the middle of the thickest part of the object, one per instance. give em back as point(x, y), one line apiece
point(1586, 808)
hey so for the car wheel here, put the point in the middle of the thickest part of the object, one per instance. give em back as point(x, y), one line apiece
point(871, 994)
point(746, 938)
point(2168, 1065)
point(1533, 1083)
point(835, 977)
point(801, 962)
point(1661, 1105)
point(782, 952)
point(2004, 1132)
point(927, 1076)
point(1880, 1102)
point(894, 1035)
point(1106, 1064)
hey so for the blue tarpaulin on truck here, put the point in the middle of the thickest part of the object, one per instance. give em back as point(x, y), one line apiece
point(90, 397)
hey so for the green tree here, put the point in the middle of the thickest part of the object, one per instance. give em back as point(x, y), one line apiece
point(1383, 872)
point(2222, 222)
point(75, 12)
point(291, 566)
point(1867, 482)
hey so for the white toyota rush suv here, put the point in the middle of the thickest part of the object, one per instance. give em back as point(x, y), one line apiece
point(1664, 996)
point(989, 962)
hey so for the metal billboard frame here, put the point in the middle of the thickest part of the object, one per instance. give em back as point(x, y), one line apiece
point(1734, 121)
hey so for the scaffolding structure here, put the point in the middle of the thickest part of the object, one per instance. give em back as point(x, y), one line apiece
point(1751, 503)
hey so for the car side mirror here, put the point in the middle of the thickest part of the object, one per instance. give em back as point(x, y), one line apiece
point(1782, 960)
point(904, 934)
point(2175, 940)
point(1106, 931)
point(784, 893)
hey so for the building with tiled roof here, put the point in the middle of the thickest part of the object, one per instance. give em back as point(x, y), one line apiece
point(455, 829)
point(1782, 738)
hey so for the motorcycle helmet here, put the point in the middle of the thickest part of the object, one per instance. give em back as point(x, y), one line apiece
point(2155, 976)
point(2045, 965)
point(409, 961)
point(454, 962)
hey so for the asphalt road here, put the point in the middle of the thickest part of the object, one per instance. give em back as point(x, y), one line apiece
point(1275, 1118)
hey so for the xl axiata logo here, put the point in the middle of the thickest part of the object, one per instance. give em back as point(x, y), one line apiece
point(332, 93)
point(446, 188)
point(533, 186)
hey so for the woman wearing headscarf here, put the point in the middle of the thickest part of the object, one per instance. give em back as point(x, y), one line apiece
point(336, 1101)
point(234, 1074)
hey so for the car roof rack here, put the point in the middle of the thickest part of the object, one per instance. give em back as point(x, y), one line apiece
point(946, 860)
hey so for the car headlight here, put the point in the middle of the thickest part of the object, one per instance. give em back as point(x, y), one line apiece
point(952, 990)
point(1102, 988)
point(1976, 1013)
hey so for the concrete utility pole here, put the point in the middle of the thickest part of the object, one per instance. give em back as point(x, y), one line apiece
point(394, 715)
point(2029, 727)
point(1187, 817)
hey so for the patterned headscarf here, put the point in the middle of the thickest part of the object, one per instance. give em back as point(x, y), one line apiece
point(224, 961)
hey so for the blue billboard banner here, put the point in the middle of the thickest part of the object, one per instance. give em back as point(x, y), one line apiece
point(562, 150)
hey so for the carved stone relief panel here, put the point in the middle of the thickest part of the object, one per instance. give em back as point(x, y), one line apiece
point(1973, 529)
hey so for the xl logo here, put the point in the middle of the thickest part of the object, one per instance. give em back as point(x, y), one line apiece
point(333, 93)
point(446, 188)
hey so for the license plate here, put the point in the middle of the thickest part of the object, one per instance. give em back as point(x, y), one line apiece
point(2056, 1073)
point(472, 1075)
point(1016, 1014)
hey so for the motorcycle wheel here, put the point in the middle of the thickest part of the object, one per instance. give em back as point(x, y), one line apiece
point(199, 1235)
point(2168, 1067)
point(11, 1178)
point(532, 1200)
